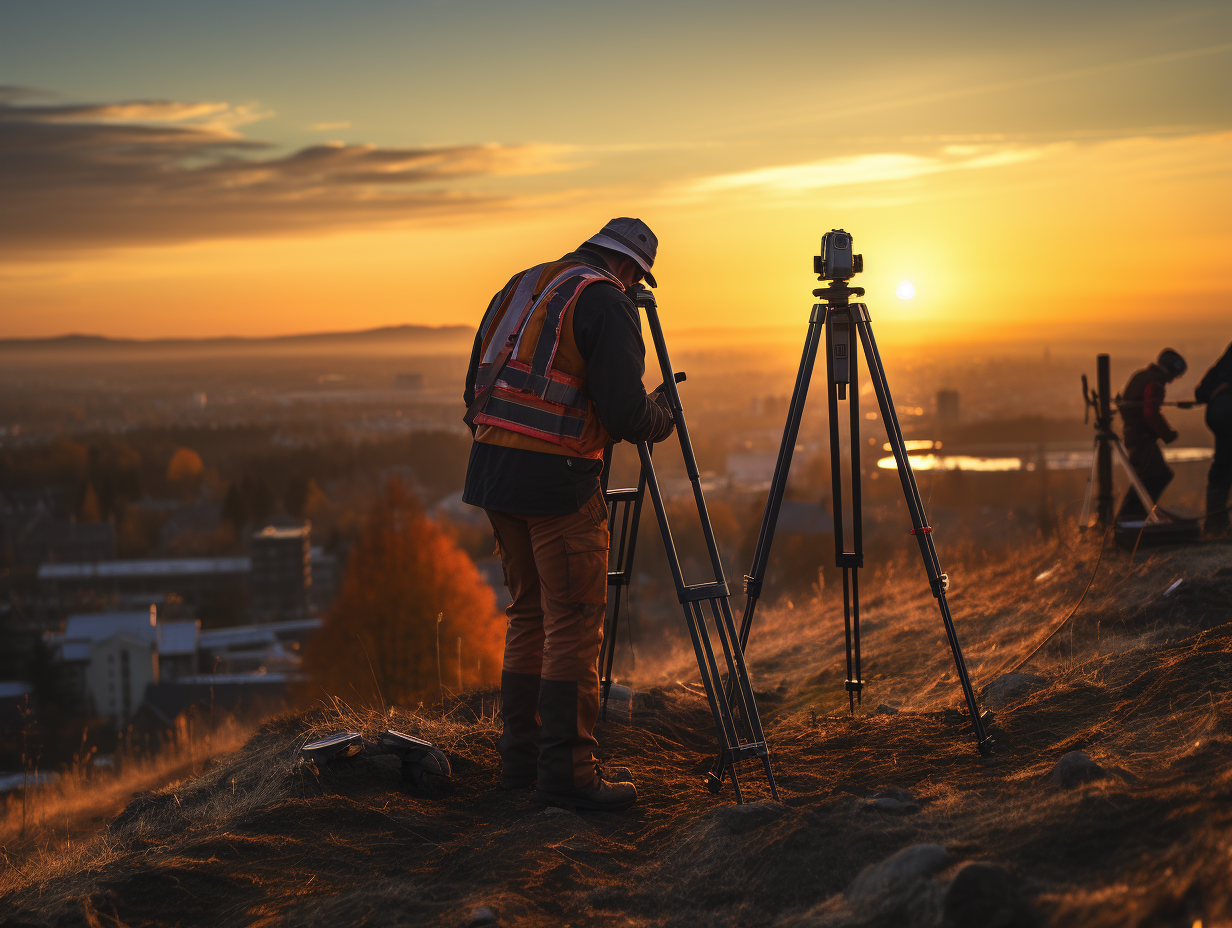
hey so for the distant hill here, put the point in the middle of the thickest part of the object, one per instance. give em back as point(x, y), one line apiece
point(401, 337)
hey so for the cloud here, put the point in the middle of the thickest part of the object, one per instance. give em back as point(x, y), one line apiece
point(330, 126)
point(879, 168)
point(165, 172)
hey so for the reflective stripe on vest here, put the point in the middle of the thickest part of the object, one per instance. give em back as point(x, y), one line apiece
point(530, 396)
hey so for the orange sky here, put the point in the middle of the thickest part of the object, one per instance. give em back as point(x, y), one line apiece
point(1016, 178)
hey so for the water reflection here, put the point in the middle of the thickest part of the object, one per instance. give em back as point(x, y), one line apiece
point(1053, 460)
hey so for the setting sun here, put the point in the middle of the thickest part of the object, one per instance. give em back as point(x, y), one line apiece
point(905, 290)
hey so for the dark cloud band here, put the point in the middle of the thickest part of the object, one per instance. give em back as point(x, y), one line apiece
point(90, 176)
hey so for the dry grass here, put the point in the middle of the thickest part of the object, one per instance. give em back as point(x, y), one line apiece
point(1141, 686)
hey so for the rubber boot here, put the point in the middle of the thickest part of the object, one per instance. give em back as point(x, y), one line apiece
point(519, 712)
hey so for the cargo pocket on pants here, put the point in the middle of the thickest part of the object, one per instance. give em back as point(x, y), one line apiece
point(586, 557)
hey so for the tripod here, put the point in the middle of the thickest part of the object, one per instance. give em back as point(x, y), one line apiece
point(736, 720)
point(838, 316)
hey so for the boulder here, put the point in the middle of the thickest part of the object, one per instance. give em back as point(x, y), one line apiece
point(984, 895)
point(1011, 687)
point(481, 916)
point(1074, 769)
point(896, 874)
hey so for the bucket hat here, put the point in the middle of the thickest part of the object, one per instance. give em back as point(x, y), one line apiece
point(630, 237)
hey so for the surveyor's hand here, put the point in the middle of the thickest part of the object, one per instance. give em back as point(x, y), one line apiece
point(659, 397)
point(1170, 437)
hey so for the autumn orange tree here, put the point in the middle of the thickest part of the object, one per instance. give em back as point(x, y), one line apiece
point(379, 641)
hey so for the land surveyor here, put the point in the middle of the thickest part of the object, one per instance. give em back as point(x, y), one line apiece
point(555, 375)
point(1144, 425)
point(1215, 390)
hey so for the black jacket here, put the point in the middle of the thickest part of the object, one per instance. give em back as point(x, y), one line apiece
point(1220, 374)
point(608, 333)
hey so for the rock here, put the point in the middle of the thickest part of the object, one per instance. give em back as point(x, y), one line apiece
point(1011, 687)
point(895, 874)
point(1074, 769)
point(620, 703)
point(983, 895)
point(883, 709)
point(743, 818)
point(889, 806)
point(481, 916)
point(557, 810)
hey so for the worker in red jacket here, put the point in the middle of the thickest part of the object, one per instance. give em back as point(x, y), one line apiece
point(1140, 408)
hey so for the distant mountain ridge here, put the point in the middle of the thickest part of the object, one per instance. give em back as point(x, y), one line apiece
point(367, 337)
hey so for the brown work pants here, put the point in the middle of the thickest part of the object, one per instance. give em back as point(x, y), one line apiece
point(556, 571)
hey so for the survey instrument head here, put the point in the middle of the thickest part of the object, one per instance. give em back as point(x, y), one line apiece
point(837, 261)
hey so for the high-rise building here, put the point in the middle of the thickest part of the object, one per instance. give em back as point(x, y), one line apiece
point(947, 407)
point(282, 572)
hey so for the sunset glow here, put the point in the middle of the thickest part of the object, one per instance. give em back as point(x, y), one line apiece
point(1015, 171)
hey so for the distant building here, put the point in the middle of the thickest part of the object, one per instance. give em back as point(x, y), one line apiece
point(192, 580)
point(112, 657)
point(947, 407)
point(49, 540)
point(119, 670)
point(277, 583)
point(266, 648)
point(281, 579)
point(178, 646)
point(75, 649)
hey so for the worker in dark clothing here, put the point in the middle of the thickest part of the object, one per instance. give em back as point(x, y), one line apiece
point(555, 375)
point(1144, 425)
point(1215, 390)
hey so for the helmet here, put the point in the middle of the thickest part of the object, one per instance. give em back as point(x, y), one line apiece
point(1172, 363)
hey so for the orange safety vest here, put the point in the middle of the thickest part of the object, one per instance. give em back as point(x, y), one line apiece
point(539, 401)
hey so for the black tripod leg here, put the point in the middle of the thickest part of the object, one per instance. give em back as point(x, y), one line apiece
point(629, 512)
point(778, 485)
point(851, 696)
point(921, 529)
point(856, 682)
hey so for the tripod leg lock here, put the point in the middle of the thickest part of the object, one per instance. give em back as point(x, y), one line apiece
point(940, 584)
point(855, 686)
point(752, 586)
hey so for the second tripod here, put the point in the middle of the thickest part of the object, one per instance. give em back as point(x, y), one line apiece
point(844, 321)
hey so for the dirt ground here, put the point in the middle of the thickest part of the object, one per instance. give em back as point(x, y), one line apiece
point(887, 817)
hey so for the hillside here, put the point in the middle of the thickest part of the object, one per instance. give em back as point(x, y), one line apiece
point(887, 818)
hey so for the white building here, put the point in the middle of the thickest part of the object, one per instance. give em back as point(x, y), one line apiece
point(112, 656)
point(120, 669)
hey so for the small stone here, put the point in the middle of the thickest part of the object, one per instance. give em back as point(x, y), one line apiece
point(888, 806)
point(482, 916)
point(743, 818)
point(1074, 769)
point(896, 873)
point(557, 810)
point(984, 895)
point(883, 709)
point(1011, 687)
